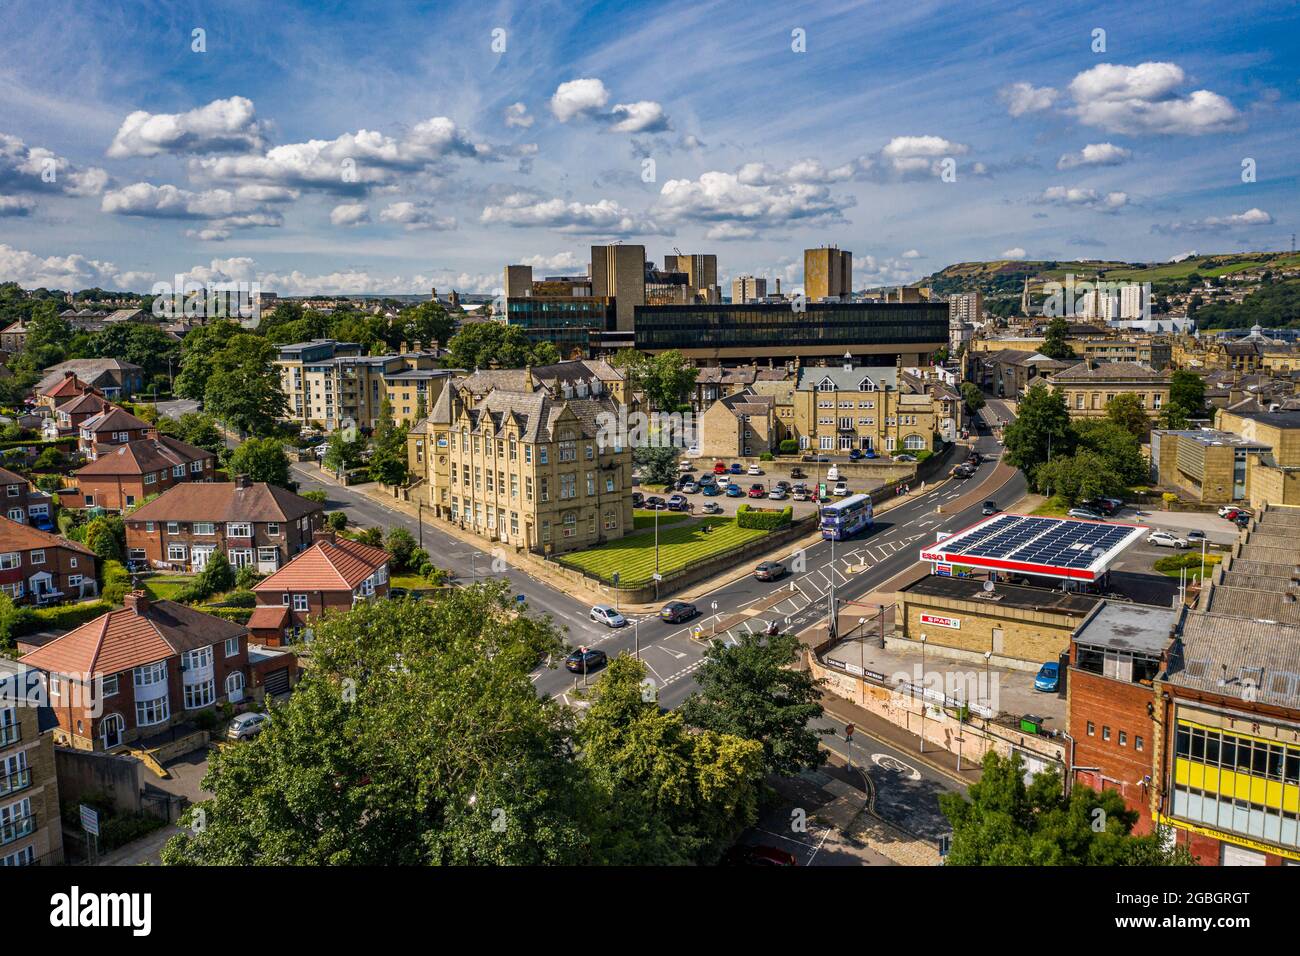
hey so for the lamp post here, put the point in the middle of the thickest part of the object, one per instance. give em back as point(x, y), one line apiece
point(656, 552)
point(862, 657)
point(922, 693)
point(714, 607)
point(988, 701)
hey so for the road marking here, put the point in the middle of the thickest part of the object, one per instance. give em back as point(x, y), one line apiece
point(894, 765)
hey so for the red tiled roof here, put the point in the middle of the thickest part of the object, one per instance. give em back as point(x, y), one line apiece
point(271, 617)
point(327, 566)
point(144, 455)
point(69, 385)
point(89, 403)
point(120, 640)
point(21, 537)
point(8, 477)
point(225, 501)
point(115, 419)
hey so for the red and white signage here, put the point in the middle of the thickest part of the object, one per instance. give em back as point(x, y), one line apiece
point(938, 620)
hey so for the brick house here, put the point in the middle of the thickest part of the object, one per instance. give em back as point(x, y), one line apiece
point(22, 502)
point(332, 575)
point(31, 831)
point(128, 474)
point(41, 568)
point(113, 426)
point(256, 524)
point(63, 390)
point(113, 377)
point(138, 670)
point(70, 415)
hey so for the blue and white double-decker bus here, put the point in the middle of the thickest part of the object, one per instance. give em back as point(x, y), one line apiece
point(846, 518)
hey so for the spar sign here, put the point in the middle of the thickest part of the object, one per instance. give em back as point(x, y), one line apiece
point(938, 620)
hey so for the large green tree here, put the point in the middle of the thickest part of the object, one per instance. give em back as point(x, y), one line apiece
point(1118, 447)
point(194, 428)
point(343, 450)
point(972, 396)
point(243, 386)
point(388, 464)
point(198, 349)
point(1126, 410)
point(487, 344)
point(139, 343)
point(1055, 341)
point(1007, 822)
point(426, 324)
point(1083, 476)
point(667, 379)
point(1187, 390)
point(751, 689)
point(1042, 426)
point(261, 459)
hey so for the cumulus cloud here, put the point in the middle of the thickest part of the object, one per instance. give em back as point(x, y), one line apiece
point(238, 207)
point(1145, 99)
point(1022, 98)
point(911, 157)
point(1095, 154)
point(26, 168)
point(722, 197)
point(644, 116)
point(413, 216)
point(912, 254)
point(517, 116)
point(586, 98)
point(1080, 197)
point(803, 171)
point(1251, 217)
point(349, 214)
point(577, 98)
point(222, 126)
point(16, 206)
point(1015, 252)
point(729, 231)
point(604, 216)
point(65, 272)
point(565, 261)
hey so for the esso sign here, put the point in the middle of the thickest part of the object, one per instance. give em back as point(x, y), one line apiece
point(938, 620)
point(932, 556)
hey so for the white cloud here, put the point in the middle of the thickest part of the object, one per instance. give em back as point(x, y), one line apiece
point(65, 272)
point(26, 168)
point(580, 97)
point(14, 206)
point(1095, 154)
point(907, 157)
point(1013, 253)
point(350, 214)
point(1144, 99)
point(729, 231)
point(604, 216)
point(238, 207)
point(1022, 98)
point(722, 197)
point(644, 116)
point(912, 254)
point(1251, 217)
point(806, 171)
point(562, 261)
point(517, 115)
point(415, 216)
point(1078, 196)
point(228, 125)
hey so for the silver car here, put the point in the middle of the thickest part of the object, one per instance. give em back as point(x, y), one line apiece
point(246, 726)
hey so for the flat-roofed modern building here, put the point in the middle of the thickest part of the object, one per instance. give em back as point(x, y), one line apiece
point(827, 273)
point(873, 333)
point(618, 272)
point(747, 289)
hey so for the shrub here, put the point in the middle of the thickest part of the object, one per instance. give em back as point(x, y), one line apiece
point(337, 520)
point(247, 576)
point(317, 496)
point(789, 447)
point(61, 618)
point(239, 615)
point(763, 519)
point(117, 582)
point(766, 456)
point(923, 455)
point(401, 545)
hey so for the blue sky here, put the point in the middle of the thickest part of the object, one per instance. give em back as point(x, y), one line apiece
point(387, 147)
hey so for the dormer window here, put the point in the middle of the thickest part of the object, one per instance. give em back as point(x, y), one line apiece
point(826, 385)
point(866, 385)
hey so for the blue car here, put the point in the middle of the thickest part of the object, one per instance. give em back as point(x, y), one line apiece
point(870, 454)
point(42, 523)
point(735, 491)
point(1049, 678)
point(710, 490)
point(736, 469)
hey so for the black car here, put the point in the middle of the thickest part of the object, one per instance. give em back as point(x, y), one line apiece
point(585, 660)
point(797, 473)
point(783, 485)
point(678, 503)
point(974, 458)
point(991, 508)
point(675, 611)
point(684, 480)
point(638, 499)
point(655, 503)
point(769, 571)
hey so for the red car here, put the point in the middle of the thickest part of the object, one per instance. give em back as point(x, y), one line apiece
point(757, 491)
point(719, 468)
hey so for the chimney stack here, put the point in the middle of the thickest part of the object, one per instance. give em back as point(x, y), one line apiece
point(137, 602)
point(241, 481)
point(324, 534)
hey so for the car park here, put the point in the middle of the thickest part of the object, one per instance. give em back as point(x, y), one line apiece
point(707, 479)
point(735, 491)
point(769, 571)
point(246, 726)
point(685, 465)
point(585, 660)
point(783, 485)
point(675, 611)
point(1164, 539)
point(757, 491)
point(736, 469)
point(604, 614)
point(719, 468)
point(712, 507)
point(778, 494)
point(841, 489)
point(1048, 678)
point(754, 470)
point(1085, 514)
point(799, 493)
point(990, 508)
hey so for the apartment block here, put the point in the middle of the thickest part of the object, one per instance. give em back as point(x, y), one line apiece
point(31, 830)
point(330, 384)
point(618, 273)
point(861, 407)
point(748, 288)
point(827, 273)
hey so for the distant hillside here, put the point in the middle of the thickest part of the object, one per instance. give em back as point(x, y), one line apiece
point(1007, 276)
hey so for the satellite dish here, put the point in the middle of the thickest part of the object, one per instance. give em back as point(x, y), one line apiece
point(988, 585)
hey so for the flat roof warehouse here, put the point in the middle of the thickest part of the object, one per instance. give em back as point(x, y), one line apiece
point(1065, 548)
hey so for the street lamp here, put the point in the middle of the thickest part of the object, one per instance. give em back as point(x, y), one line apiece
point(714, 607)
point(922, 693)
point(862, 657)
point(988, 701)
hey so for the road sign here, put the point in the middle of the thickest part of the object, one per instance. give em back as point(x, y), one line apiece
point(520, 599)
point(658, 577)
point(848, 731)
point(614, 577)
point(89, 819)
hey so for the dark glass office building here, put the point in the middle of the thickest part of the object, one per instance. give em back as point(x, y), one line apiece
point(567, 321)
point(873, 332)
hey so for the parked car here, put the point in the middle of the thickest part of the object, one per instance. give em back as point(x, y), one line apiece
point(685, 465)
point(854, 454)
point(757, 490)
point(962, 471)
point(736, 469)
point(1233, 514)
point(906, 457)
point(769, 571)
point(735, 491)
point(683, 481)
point(841, 489)
point(710, 490)
point(797, 473)
point(638, 499)
point(1223, 511)
point(678, 503)
point(42, 523)
point(246, 726)
point(833, 473)
point(799, 493)
point(712, 507)
point(604, 614)
point(690, 488)
point(783, 485)
point(1049, 678)
point(1242, 520)
point(991, 508)
point(707, 479)
point(1087, 514)
point(869, 453)
point(778, 494)
point(655, 503)
point(1195, 536)
point(1164, 539)
point(675, 611)
point(585, 660)
point(755, 470)
point(719, 468)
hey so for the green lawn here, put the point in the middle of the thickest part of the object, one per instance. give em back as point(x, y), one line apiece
point(165, 587)
point(1052, 508)
point(412, 582)
point(633, 557)
point(1172, 565)
point(646, 519)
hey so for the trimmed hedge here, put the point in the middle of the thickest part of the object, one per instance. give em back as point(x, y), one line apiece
point(763, 519)
point(239, 615)
point(38, 443)
point(64, 617)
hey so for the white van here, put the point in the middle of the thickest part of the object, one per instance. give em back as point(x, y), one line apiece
point(833, 473)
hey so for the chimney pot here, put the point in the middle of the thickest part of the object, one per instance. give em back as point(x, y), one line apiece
point(138, 602)
point(241, 481)
point(324, 534)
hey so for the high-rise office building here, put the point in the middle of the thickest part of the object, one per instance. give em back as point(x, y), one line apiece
point(518, 281)
point(827, 273)
point(701, 271)
point(1132, 301)
point(748, 289)
point(619, 272)
point(967, 306)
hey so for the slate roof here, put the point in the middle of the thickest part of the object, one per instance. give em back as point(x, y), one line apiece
point(114, 419)
point(885, 378)
point(1110, 372)
point(226, 501)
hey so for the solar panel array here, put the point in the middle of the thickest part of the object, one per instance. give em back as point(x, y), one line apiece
point(1048, 541)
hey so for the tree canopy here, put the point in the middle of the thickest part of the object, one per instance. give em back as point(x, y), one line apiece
point(1042, 424)
point(488, 344)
